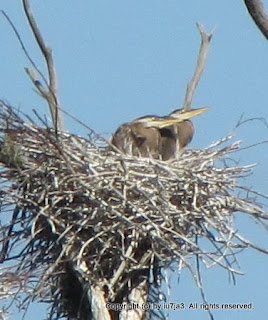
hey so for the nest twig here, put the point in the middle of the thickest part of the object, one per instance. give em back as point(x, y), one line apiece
point(84, 219)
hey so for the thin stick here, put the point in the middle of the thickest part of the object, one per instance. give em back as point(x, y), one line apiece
point(198, 280)
point(24, 47)
point(200, 65)
point(52, 94)
point(258, 14)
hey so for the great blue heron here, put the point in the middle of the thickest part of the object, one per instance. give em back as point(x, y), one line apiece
point(156, 137)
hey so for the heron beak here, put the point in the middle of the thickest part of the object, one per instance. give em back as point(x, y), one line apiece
point(186, 115)
point(162, 122)
point(174, 118)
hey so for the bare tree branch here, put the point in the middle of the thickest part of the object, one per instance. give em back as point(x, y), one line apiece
point(52, 94)
point(258, 14)
point(200, 65)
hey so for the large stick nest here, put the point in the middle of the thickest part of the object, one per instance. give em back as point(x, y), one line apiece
point(76, 215)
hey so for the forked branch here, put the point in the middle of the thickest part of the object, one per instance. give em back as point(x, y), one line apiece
point(200, 65)
point(51, 93)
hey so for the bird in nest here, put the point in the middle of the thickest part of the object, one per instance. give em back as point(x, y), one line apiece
point(156, 137)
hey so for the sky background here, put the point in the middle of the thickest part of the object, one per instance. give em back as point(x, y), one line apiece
point(118, 60)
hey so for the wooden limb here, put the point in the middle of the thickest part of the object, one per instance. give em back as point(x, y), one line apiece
point(139, 292)
point(51, 95)
point(139, 298)
point(98, 303)
point(200, 65)
point(258, 14)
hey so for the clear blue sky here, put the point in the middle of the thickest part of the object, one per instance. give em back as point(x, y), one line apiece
point(118, 60)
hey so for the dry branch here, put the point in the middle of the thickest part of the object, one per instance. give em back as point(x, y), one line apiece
point(200, 66)
point(51, 94)
point(92, 223)
point(258, 14)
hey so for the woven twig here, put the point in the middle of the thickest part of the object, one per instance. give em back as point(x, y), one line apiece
point(84, 217)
